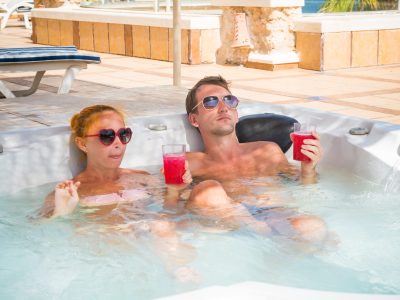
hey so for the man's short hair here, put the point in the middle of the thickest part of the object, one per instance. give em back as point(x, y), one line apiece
point(212, 80)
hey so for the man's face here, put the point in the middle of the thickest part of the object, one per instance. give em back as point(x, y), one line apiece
point(220, 120)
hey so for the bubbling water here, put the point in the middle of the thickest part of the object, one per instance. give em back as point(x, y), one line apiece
point(86, 255)
point(392, 182)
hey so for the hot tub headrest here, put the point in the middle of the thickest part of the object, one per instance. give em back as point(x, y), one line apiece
point(266, 127)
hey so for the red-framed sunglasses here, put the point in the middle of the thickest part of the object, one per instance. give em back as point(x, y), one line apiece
point(107, 136)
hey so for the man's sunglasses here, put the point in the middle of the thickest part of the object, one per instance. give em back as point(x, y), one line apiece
point(107, 136)
point(211, 102)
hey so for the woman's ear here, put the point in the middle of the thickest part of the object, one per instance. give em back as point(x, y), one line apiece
point(193, 120)
point(80, 143)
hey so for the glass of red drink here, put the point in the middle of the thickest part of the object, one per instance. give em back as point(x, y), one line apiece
point(174, 163)
point(301, 132)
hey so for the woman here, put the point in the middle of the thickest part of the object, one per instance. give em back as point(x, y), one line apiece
point(99, 131)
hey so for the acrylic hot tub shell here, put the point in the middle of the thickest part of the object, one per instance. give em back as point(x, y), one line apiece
point(33, 157)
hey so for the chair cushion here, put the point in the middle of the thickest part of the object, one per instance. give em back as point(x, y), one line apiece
point(42, 54)
point(266, 127)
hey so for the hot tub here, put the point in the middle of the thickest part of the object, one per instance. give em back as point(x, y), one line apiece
point(361, 208)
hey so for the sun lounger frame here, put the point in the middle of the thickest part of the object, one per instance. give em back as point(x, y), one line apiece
point(71, 66)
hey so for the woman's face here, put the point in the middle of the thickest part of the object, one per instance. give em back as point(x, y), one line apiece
point(98, 154)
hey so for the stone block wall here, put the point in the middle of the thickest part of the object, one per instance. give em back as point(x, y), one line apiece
point(338, 50)
point(198, 45)
point(348, 41)
point(270, 29)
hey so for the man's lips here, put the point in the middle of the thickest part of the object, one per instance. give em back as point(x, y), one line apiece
point(224, 118)
point(117, 156)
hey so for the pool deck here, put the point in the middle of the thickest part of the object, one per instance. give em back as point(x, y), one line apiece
point(143, 87)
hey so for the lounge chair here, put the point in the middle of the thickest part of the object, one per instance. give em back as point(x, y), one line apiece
point(40, 60)
point(19, 7)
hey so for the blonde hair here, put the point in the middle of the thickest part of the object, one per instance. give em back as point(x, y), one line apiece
point(80, 122)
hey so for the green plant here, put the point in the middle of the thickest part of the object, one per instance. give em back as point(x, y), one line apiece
point(357, 5)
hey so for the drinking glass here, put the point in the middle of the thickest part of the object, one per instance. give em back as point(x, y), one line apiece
point(301, 132)
point(174, 163)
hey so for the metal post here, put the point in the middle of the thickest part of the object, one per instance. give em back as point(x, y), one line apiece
point(156, 5)
point(177, 42)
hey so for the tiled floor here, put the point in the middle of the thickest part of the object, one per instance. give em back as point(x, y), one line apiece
point(145, 87)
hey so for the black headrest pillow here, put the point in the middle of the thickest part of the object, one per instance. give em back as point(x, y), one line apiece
point(266, 127)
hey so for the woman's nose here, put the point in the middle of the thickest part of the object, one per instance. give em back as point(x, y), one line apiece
point(117, 142)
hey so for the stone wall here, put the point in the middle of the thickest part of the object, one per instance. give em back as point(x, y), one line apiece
point(332, 42)
point(53, 3)
point(270, 30)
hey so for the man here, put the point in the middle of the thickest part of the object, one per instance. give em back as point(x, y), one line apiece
point(212, 109)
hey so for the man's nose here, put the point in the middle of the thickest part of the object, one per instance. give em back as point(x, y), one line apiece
point(221, 105)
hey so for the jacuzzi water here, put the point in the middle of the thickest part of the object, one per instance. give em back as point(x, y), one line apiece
point(85, 257)
point(82, 258)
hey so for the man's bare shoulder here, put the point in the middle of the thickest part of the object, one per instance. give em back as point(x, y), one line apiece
point(267, 151)
point(197, 162)
point(194, 155)
point(262, 146)
point(132, 171)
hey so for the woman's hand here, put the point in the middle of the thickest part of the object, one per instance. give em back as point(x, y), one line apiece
point(65, 198)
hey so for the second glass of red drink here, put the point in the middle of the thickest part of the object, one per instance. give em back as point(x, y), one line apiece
point(174, 163)
point(301, 132)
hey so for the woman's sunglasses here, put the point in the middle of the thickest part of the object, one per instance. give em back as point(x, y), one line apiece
point(107, 136)
point(211, 102)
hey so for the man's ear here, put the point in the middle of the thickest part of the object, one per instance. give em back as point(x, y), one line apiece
point(80, 143)
point(193, 119)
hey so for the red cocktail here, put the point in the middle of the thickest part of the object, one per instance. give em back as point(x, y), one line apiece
point(174, 163)
point(174, 168)
point(298, 137)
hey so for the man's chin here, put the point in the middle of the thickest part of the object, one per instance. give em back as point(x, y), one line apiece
point(222, 131)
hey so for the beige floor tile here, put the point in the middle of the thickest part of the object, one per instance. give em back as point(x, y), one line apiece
point(160, 81)
point(262, 97)
point(325, 85)
point(97, 68)
point(107, 80)
point(323, 106)
point(382, 72)
point(14, 87)
point(133, 62)
point(395, 96)
point(138, 76)
point(17, 75)
point(390, 119)
point(377, 101)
